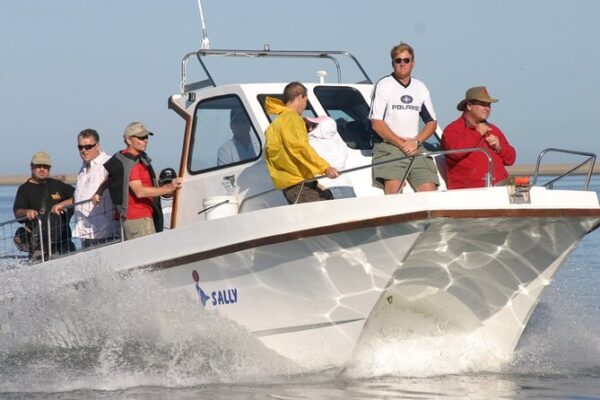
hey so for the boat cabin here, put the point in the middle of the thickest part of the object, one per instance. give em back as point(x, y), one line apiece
point(232, 119)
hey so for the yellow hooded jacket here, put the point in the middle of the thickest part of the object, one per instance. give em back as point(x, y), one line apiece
point(289, 157)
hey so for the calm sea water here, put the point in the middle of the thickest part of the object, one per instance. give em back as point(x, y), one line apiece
point(100, 344)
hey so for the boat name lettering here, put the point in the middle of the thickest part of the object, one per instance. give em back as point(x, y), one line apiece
point(228, 296)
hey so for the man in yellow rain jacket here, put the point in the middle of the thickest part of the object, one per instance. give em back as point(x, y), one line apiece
point(289, 157)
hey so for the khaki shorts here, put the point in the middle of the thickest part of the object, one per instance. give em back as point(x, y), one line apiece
point(135, 228)
point(422, 171)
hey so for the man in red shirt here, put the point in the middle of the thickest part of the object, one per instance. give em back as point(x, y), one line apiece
point(471, 129)
point(133, 186)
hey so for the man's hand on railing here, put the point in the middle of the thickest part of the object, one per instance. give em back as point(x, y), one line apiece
point(31, 214)
point(96, 199)
point(58, 209)
point(409, 147)
point(332, 172)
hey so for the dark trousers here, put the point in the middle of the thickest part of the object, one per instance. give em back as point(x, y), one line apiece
point(306, 193)
point(85, 243)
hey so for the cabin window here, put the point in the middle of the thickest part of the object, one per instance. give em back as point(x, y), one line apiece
point(347, 106)
point(223, 135)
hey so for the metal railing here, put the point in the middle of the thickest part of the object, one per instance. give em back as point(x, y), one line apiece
point(14, 235)
point(333, 56)
point(49, 236)
point(110, 230)
point(489, 176)
point(590, 160)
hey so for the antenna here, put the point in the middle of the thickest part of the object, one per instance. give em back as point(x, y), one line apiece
point(205, 42)
point(321, 75)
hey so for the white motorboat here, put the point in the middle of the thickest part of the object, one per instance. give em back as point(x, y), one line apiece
point(322, 283)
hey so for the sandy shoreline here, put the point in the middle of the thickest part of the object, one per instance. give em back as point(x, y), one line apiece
point(18, 179)
point(524, 169)
point(550, 169)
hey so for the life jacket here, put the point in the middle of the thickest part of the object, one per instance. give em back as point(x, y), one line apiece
point(119, 168)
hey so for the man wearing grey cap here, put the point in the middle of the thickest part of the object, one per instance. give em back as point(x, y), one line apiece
point(472, 129)
point(133, 185)
point(35, 199)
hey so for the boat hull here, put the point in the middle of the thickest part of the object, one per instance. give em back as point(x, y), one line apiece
point(314, 298)
point(479, 279)
point(324, 284)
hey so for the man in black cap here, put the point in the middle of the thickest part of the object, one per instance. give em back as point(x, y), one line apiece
point(166, 177)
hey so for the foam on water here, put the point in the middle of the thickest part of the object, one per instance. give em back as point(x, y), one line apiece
point(425, 347)
point(96, 330)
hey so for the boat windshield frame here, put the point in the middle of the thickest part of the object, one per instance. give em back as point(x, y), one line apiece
point(333, 55)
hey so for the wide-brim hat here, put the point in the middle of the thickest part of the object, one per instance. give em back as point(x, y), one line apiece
point(478, 93)
point(136, 129)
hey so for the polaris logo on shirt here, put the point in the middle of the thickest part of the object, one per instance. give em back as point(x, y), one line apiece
point(405, 107)
point(406, 99)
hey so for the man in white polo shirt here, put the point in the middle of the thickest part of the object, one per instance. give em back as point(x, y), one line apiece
point(399, 102)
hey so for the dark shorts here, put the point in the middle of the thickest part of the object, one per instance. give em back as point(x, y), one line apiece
point(306, 193)
point(423, 169)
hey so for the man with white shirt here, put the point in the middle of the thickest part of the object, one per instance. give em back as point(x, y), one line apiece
point(242, 146)
point(399, 102)
point(165, 177)
point(95, 224)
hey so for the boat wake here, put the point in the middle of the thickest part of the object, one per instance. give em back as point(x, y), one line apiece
point(112, 333)
point(559, 340)
point(85, 328)
point(426, 347)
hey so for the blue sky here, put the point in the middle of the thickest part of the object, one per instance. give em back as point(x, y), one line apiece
point(67, 65)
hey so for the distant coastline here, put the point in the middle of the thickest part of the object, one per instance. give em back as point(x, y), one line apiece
point(18, 179)
point(523, 169)
point(550, 169)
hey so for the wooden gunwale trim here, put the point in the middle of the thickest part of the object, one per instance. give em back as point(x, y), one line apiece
point(378, 221)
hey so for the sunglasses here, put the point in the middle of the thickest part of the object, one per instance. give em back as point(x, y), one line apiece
point(399, 60)
point(481, 103)
point(141, 137)
point(86, 146)
point(41, 166)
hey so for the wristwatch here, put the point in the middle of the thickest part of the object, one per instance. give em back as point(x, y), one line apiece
point(418, 142)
